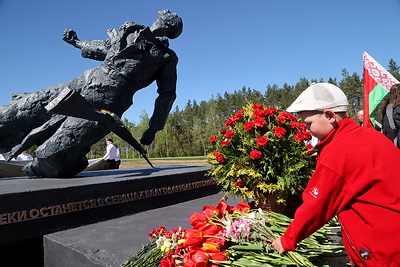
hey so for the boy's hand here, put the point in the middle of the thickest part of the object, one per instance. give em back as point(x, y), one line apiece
point(277, 245)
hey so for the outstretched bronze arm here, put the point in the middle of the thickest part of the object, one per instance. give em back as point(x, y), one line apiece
point(96, 49)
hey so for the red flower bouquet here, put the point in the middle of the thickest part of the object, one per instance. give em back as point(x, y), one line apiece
point(228, 236)
point(262, 150)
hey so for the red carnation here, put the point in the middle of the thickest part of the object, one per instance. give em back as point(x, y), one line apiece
point(225, 143)
point(229, 122)
point(262, 141)
point(167, 262)
point(248, 126)
point(260, 122)
point(307, 135)
point(310, 149)
point(285, 117)
point(281, 118)
point(219, 157)
point(229, 134)
point(279, 132)
point(258, 106)
point(259, 113)
point(255, 154)
point(299, 137)
point(240, 183)
point(238, 115)
point(213, 139)
point(298, 125)
point(271, 111)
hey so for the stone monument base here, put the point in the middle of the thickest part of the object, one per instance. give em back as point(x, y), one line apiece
point(32, 208)
point(112, 242)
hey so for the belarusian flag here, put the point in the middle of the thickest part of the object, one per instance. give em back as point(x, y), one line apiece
point(377, 84)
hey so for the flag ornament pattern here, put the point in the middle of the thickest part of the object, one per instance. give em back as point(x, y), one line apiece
point(377, 84)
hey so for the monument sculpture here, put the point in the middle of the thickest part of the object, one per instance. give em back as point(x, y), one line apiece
point(66, 119)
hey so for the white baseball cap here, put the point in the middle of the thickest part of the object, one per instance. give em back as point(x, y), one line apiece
point(320, 96)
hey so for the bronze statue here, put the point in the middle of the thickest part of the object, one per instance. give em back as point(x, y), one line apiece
point(133, 57)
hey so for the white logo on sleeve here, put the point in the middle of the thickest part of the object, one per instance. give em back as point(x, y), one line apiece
point(314, 192)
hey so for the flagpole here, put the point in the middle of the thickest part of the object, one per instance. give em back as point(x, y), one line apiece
point(366, 119)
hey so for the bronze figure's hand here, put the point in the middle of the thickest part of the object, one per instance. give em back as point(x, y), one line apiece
point(70, 36)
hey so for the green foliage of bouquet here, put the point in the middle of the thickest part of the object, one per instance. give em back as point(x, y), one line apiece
point(261, 150)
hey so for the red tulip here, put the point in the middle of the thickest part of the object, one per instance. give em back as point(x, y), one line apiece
point(209, 229)
point(218, 256)
point(222, 206)
point(219, 241)
point(243, 207)
point(193, 238)
point(211, 247)
point(195, 258)
point(210, 211)
point(198, 219)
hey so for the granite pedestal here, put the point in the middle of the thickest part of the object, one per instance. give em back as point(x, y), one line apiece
point(112, 242)
point(31, 208)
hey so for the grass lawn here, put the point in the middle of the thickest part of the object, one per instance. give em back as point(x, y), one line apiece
point(187, 161)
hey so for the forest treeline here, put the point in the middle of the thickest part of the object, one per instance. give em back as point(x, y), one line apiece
point(188, 130)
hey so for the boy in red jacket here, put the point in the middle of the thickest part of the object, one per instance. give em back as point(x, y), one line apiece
point(356, 178)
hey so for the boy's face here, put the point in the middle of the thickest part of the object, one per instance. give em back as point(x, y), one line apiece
point(319, 124)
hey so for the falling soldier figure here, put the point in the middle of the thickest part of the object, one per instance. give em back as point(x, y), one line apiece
point(133, 57)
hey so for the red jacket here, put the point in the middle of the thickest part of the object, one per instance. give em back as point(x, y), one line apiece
point(357, 178)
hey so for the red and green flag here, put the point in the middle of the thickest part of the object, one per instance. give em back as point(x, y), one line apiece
point(377, 84)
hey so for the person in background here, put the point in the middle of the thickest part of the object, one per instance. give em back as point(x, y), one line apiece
point(360, 117)
point(391, 115)
point(356, 178)
point(24, 156)
point(111, 154)
point(388, 126)
point(118, 158)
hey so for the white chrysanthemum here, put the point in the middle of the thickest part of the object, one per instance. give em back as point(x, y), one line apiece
point(161, 241)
